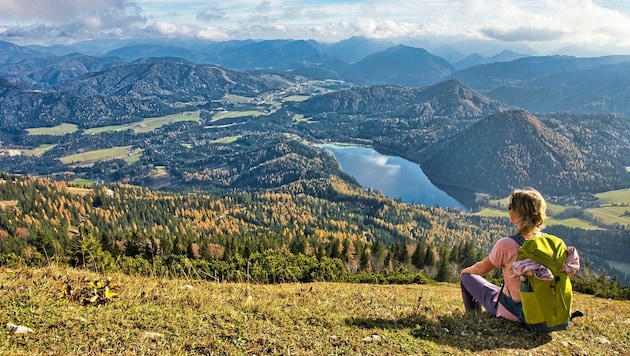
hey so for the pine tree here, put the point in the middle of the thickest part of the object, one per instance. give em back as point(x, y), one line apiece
point(345, 252)
point(468, 256)
point(417, 258)
point(444, 267)
point(429, 257)
point(87, 252)
point(364, 259)
point(332, 248)
point(298, 245)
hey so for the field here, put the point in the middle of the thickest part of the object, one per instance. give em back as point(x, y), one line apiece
point(38, 151)
point(58, 130)
point(84, 182)
point(226, 140)
point(236, 114)
point(613, 207)
point(148, 124)
point(296, 98)
point(70, 312)
point(90, 157)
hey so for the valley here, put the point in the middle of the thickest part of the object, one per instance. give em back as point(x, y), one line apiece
point(601, 210)
point(313, 177)
point(175, 126)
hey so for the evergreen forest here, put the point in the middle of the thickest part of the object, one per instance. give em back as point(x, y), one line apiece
point(288, 235)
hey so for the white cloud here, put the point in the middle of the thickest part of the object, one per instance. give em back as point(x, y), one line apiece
point(538, 22)
point(213, 34)
point(579, 22)
point(67, 20)
point(61, 11)
point(171, 30)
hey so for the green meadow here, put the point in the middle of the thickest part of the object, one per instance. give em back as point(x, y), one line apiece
point(58, 130)
point(148, 124)
point(226, 140)
point(244, 107)
point(236, 114)
point(237, 99)
point(89, 157)
point(614, 208)
point(615, 196)
point(38, 151)
point(296, 98)
point(83, 182)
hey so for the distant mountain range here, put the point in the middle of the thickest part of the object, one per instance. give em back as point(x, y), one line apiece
point(127, 93)
point(466, 127)
point(541, 84)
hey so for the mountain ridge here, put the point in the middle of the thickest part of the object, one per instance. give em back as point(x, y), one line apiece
point(514, 149)
point(507, 77)
point(403, 65)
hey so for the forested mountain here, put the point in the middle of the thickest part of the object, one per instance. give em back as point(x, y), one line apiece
point(153, 50)
point(319, 229)
point(329, 218)
point(541, 84)
point(513, 149)
point(23, 108)
point(45, 71)
point(402, 65)
point(592, 90)
point(128, 93)
point(477, 59)
point(401, 120)
point(521, 71)
point(355, 49)
point(447, 99)
point(11, 53)
point(171, 82)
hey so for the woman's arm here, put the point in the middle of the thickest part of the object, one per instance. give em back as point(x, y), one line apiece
point(480, 268)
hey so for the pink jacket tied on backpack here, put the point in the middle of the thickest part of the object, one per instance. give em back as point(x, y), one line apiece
point(527, 266)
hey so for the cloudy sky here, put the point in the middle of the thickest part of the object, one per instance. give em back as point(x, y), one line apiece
point(544, 25)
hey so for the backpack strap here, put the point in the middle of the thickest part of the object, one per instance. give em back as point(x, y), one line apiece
point(518, 238)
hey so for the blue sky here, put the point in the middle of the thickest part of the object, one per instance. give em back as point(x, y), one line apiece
point(543, 25)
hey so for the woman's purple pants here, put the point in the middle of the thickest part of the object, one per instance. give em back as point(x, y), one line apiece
point(478, 292)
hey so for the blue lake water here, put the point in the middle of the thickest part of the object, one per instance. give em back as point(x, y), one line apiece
point(396, 177)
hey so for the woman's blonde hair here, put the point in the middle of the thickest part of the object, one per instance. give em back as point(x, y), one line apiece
point(531, 208)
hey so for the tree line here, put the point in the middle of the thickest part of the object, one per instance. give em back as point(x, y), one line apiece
point(266, 237)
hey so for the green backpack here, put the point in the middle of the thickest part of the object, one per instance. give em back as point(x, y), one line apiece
point(545, 304)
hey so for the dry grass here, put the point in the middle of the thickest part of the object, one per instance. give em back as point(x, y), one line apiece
point(159, 316)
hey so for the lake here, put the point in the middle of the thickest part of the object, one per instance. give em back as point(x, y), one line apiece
point(395, 177)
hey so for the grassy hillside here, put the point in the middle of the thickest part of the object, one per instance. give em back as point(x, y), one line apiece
point(152, 316)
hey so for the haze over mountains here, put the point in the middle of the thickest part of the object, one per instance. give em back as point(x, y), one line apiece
point(400, 98)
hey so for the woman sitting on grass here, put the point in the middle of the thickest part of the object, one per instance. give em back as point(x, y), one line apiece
point(527, 212)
